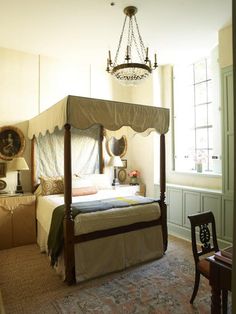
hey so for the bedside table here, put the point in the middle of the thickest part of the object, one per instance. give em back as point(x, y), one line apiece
point(17, 220)
point(139, 189)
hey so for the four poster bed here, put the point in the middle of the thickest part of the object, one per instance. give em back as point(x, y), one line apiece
point(97, 242)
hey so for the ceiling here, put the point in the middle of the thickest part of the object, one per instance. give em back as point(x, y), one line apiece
point(86, 29)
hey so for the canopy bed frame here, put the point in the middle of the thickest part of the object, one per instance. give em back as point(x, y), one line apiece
point(83, 113)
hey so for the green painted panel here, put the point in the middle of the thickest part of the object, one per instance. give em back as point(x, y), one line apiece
point(229, 101)
point(227, 219)
point(212, 202)
point(228, 130)
point(191, 205)
point(175, 206)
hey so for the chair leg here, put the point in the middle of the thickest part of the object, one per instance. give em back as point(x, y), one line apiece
point(224, 301)
point(196, 285)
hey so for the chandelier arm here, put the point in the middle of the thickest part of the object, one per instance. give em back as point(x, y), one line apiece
point(120, 40)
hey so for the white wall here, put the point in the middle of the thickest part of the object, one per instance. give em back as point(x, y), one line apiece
point(30, 84)
point(18, 86)
point(59, 78)
point(18, 99)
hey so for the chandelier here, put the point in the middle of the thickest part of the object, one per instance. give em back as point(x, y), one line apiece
point(136, 66)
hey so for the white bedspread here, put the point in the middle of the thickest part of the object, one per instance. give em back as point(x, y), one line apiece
point(86, 223)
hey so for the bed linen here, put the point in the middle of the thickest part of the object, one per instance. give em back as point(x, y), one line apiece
point(97, 257)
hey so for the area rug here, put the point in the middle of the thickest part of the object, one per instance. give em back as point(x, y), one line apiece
point(163, 286)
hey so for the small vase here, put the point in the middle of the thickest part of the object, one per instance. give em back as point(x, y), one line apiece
point(199, 167)
point(133, 181)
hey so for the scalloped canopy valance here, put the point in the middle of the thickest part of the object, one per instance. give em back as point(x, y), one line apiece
point(82, 113)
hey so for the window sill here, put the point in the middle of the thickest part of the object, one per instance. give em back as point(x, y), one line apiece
point(195, 173)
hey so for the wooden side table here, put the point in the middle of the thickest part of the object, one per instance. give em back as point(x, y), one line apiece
point(220, 278)
point(17, 220)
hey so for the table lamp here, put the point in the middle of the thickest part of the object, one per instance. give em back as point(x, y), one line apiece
point(115, 162)
point(18, 164)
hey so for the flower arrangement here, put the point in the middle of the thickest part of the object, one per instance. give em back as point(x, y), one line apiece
point(134, 174)
point(200, 157)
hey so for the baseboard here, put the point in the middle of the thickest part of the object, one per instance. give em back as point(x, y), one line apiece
point(2, 311)
point(185, 233)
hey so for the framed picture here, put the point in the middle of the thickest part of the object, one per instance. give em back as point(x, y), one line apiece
point(124, 163)
point(122, 175)
point(3, 168)
point(12, 142)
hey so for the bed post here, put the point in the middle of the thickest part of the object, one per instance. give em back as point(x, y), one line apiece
point(33, 170)
point(163, 190)
point(69, 254)
point(100, 150)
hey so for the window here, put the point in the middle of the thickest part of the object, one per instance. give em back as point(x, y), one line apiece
point(197, 140)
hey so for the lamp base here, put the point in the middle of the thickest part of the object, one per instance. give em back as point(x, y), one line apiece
point(19, 186)
point(115, 182)
point(19, 189)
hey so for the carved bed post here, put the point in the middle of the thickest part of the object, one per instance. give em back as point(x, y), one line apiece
point(100, 150)
point(33, 165)
point(163, 190)
point(69, 254)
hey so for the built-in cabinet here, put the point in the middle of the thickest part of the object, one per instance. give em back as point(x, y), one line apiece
point(228, 130)
point(228, 151)
point(183, 201)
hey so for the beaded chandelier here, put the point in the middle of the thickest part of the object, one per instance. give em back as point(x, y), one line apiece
point(131, 72)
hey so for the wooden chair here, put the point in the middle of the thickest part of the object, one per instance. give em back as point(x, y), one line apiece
point(208, 239)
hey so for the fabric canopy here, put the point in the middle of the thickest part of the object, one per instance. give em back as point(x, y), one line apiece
point(82, 113)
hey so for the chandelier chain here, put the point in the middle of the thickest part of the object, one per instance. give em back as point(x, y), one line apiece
point(119, 44)
point(130, 37)
point(140, 39)
point(140, 52)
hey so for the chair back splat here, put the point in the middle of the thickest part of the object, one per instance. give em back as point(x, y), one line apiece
point(204, 223)
point(201, 222)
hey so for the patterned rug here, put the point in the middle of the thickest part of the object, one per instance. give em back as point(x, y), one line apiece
point(163, 286)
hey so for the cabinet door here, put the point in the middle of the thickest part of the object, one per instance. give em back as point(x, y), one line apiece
point(5, 228)
point(227, 219)
point(191, 205)
point(228, 130)
point(175, 201)
point(24, 224)
point(212, 202)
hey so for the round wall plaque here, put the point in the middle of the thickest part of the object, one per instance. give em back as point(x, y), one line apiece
point(12, 142)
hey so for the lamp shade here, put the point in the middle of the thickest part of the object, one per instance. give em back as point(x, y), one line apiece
point(115, 161)
point(18, 163)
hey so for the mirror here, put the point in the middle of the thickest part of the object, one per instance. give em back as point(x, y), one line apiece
point(117, 147)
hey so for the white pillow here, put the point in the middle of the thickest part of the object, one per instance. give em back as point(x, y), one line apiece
point(81, 182)
point(100, 181)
